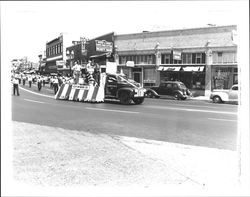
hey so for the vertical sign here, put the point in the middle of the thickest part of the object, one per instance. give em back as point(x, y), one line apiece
point(176, 55)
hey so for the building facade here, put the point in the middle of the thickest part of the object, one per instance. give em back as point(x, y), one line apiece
point(56, 54)
point(99, 49)
point(202, 58)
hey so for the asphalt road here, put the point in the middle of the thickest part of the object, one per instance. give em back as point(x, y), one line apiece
point(187, 122)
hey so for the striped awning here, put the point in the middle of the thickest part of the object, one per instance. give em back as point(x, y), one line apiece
point(175, 68)
point(172, 68)
point(193, 68)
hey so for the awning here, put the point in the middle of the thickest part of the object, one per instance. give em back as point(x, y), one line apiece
point(160, 68)
point(172, 68)
point(193, 68)
point(101, 55)
point(201, 69)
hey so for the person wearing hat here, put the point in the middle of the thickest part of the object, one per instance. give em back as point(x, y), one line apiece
point(39, 83)
point(15, 82)
point(30, 80)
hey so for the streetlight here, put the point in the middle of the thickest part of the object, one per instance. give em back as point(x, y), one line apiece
point(70, 56)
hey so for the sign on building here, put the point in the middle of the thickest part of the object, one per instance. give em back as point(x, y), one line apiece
point(104, 46)
point(60, 63)
point(130, 64)
point(176, 55)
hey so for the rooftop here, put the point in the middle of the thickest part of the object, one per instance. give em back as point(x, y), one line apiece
point(185, 38)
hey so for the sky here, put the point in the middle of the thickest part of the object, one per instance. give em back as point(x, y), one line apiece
point(26, 26)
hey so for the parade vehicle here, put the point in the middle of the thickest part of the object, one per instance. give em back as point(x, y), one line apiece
point(123, 89)
point(110, 87)
point(221, 96)
point(172, 89)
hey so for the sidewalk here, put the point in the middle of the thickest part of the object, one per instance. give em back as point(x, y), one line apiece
point(55, 157)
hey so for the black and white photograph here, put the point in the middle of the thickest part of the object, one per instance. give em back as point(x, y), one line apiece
point(125, 98)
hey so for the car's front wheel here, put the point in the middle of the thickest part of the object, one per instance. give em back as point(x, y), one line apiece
point(138, 101)
point(217, 99)
point(125, 98)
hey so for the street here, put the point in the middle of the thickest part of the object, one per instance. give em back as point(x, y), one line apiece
point(198, 123)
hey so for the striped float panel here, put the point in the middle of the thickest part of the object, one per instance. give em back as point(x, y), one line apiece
point(84, 93)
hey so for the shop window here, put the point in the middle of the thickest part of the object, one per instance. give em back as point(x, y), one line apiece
point(149, 75)
point(198, 58)
point(219, 57)
point(122, 59)
point(165, 59)
point(186, 58)
point(235, 79)
point(150, 59)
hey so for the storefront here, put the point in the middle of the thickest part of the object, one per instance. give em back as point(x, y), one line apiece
point(223, 77)
point(192, 76)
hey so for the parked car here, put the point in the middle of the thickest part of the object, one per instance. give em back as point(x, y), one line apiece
point(220, 96)
point(173, 89)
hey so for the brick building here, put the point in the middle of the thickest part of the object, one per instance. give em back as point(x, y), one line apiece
point(99, 49)
point(202, 58)
point(56, 54)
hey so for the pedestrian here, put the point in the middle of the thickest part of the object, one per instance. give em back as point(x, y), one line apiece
point(43, 79)
point(15, 86)
point(55, 83)
point(39, 83)
point(30, 80)
point(51, 82)
point(24, 79)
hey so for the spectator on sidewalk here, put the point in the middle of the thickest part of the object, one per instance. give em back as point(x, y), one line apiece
point(24, 79)
point(30, 80)
point(15, 86)
point(43, 80)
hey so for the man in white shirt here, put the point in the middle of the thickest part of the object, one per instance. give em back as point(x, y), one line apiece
point(30, 80)
point(77, 71)
point(15, 86)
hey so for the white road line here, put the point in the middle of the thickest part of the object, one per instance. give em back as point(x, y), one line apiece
point(222, 119)
point(34, 101)
point(112, 110)
point(36, 93)
point(192, 110)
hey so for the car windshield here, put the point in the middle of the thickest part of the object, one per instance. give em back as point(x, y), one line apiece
point(124, 79)
point(182, 86)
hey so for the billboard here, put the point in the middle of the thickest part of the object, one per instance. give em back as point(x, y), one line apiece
point(104, 46)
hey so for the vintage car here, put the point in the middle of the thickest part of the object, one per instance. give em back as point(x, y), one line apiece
point(172, 89)
point(220, 96)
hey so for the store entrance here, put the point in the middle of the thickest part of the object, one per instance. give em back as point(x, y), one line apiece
point(137, 77)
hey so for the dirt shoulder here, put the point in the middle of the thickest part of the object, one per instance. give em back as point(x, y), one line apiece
point(57, 157)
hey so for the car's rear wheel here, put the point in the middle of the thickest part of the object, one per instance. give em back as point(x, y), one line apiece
point(125, 98)
point(150, 94)
point(176, 96)
point(217, 99)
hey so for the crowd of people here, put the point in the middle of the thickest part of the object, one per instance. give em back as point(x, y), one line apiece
point(88, 74)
